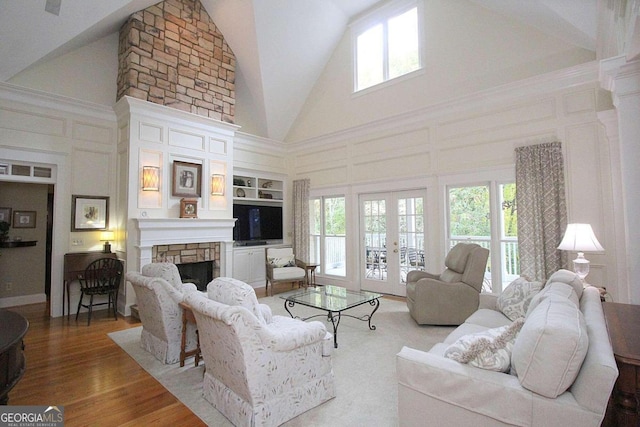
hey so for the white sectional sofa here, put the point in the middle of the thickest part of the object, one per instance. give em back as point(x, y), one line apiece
point(561, 368)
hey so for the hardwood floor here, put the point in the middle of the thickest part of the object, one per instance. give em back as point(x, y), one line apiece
point(79, 367)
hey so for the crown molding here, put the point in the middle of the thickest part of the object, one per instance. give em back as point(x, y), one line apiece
point(41, 99)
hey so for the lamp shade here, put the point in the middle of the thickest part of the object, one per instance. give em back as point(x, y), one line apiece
point(150, 178)
point(217, 185)
point(106, 236)
point(580, 238)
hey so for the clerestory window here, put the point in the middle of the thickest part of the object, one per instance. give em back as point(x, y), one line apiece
point(387, 44)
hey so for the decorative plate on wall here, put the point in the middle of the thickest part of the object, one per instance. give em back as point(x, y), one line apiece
point(240, 192)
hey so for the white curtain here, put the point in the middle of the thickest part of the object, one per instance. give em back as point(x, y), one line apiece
point(542, 212)
point(301, 219)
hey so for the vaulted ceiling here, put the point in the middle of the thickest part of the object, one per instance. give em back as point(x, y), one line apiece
point(281, 46)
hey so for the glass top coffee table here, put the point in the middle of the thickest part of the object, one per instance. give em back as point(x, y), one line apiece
point(334, 300)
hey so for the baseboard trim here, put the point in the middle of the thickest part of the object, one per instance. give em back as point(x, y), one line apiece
point(22, 300)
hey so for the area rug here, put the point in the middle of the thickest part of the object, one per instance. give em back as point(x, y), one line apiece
point(364, 366)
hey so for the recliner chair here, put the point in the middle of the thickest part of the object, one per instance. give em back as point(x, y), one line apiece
point(450, 297)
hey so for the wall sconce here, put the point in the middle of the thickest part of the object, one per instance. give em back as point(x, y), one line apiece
point(217, 185)
point(580, 238)
point(105, 237)
point(150, 178)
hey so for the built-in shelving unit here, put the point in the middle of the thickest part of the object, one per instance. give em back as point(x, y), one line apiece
point(253, 188)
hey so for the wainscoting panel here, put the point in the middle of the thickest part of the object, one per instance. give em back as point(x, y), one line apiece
point(32, 122)
point(392, 167)
point(506, 116)
point(218, 146)
point(92, 172)
point(584, 181)
point(334, 154)
point(92, 132)
point(183, 139)
point(328, 176)
point(583, 101)
point(151, 132)
point(397, 140)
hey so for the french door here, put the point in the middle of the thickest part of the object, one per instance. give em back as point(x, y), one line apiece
point(392, 239)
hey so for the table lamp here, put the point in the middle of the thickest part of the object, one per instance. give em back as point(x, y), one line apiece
point(105, 237)
point(580, 238)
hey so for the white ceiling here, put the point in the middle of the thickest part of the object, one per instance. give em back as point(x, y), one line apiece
point(281, 46)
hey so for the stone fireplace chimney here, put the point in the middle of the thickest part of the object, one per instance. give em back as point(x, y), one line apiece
point(172, 54)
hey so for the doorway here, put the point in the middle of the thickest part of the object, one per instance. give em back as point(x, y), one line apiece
point(392, 236)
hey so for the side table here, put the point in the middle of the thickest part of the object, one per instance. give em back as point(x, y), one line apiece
point(187, 317)
point(623, 324)
point(310, 273)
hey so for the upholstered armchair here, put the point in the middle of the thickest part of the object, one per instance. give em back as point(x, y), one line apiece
point(230, 291)
point(450, 297)
point(283, 267)
point(159, 291)
point(260, 372)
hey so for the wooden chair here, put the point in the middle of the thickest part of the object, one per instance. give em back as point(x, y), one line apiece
point(101, 277)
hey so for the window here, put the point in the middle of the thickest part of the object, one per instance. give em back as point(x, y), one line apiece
point(387, 44)
point(490, 220)
point(328, 234)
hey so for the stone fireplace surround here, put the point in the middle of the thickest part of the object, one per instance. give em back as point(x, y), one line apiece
point(185, 240)
point(198, 263)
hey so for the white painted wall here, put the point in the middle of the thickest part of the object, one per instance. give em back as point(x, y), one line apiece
point(89, 73)
point(472, 140)
point(468, 49)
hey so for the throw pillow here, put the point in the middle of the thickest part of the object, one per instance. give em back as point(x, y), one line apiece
point(570, 278)
point(490, 349)
point(556, 290)
point(551, 347)
point(286, 261)
point(514, 300)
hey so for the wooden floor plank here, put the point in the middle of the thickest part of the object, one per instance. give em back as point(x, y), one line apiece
point(79, 367)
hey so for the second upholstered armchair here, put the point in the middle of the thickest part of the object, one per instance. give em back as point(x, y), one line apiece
point(261, 370)
point(159, 291)
point(452, 296)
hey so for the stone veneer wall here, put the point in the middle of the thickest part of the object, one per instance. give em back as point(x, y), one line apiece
point(173, 54)
point(185, 253)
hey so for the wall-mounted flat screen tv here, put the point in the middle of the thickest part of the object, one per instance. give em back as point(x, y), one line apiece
point(257, 223)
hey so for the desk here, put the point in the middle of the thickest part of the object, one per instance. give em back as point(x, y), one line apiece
point(623, 324)
point(75, 263)
point(187, 317)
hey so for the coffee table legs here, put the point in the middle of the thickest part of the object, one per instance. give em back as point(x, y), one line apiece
point(335, 316)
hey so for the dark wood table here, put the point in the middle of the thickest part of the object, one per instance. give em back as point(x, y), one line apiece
point(623, 324)
point(12, 361)
point(74, 264)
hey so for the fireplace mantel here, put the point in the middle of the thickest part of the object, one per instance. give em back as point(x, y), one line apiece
point(164, 231)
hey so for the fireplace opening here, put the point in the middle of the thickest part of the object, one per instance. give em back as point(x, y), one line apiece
point(198, 273)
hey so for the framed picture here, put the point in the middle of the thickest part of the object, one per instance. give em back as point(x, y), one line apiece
point(89, 213)
point(5, 215)
point(186, 180)
point(24, 219)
